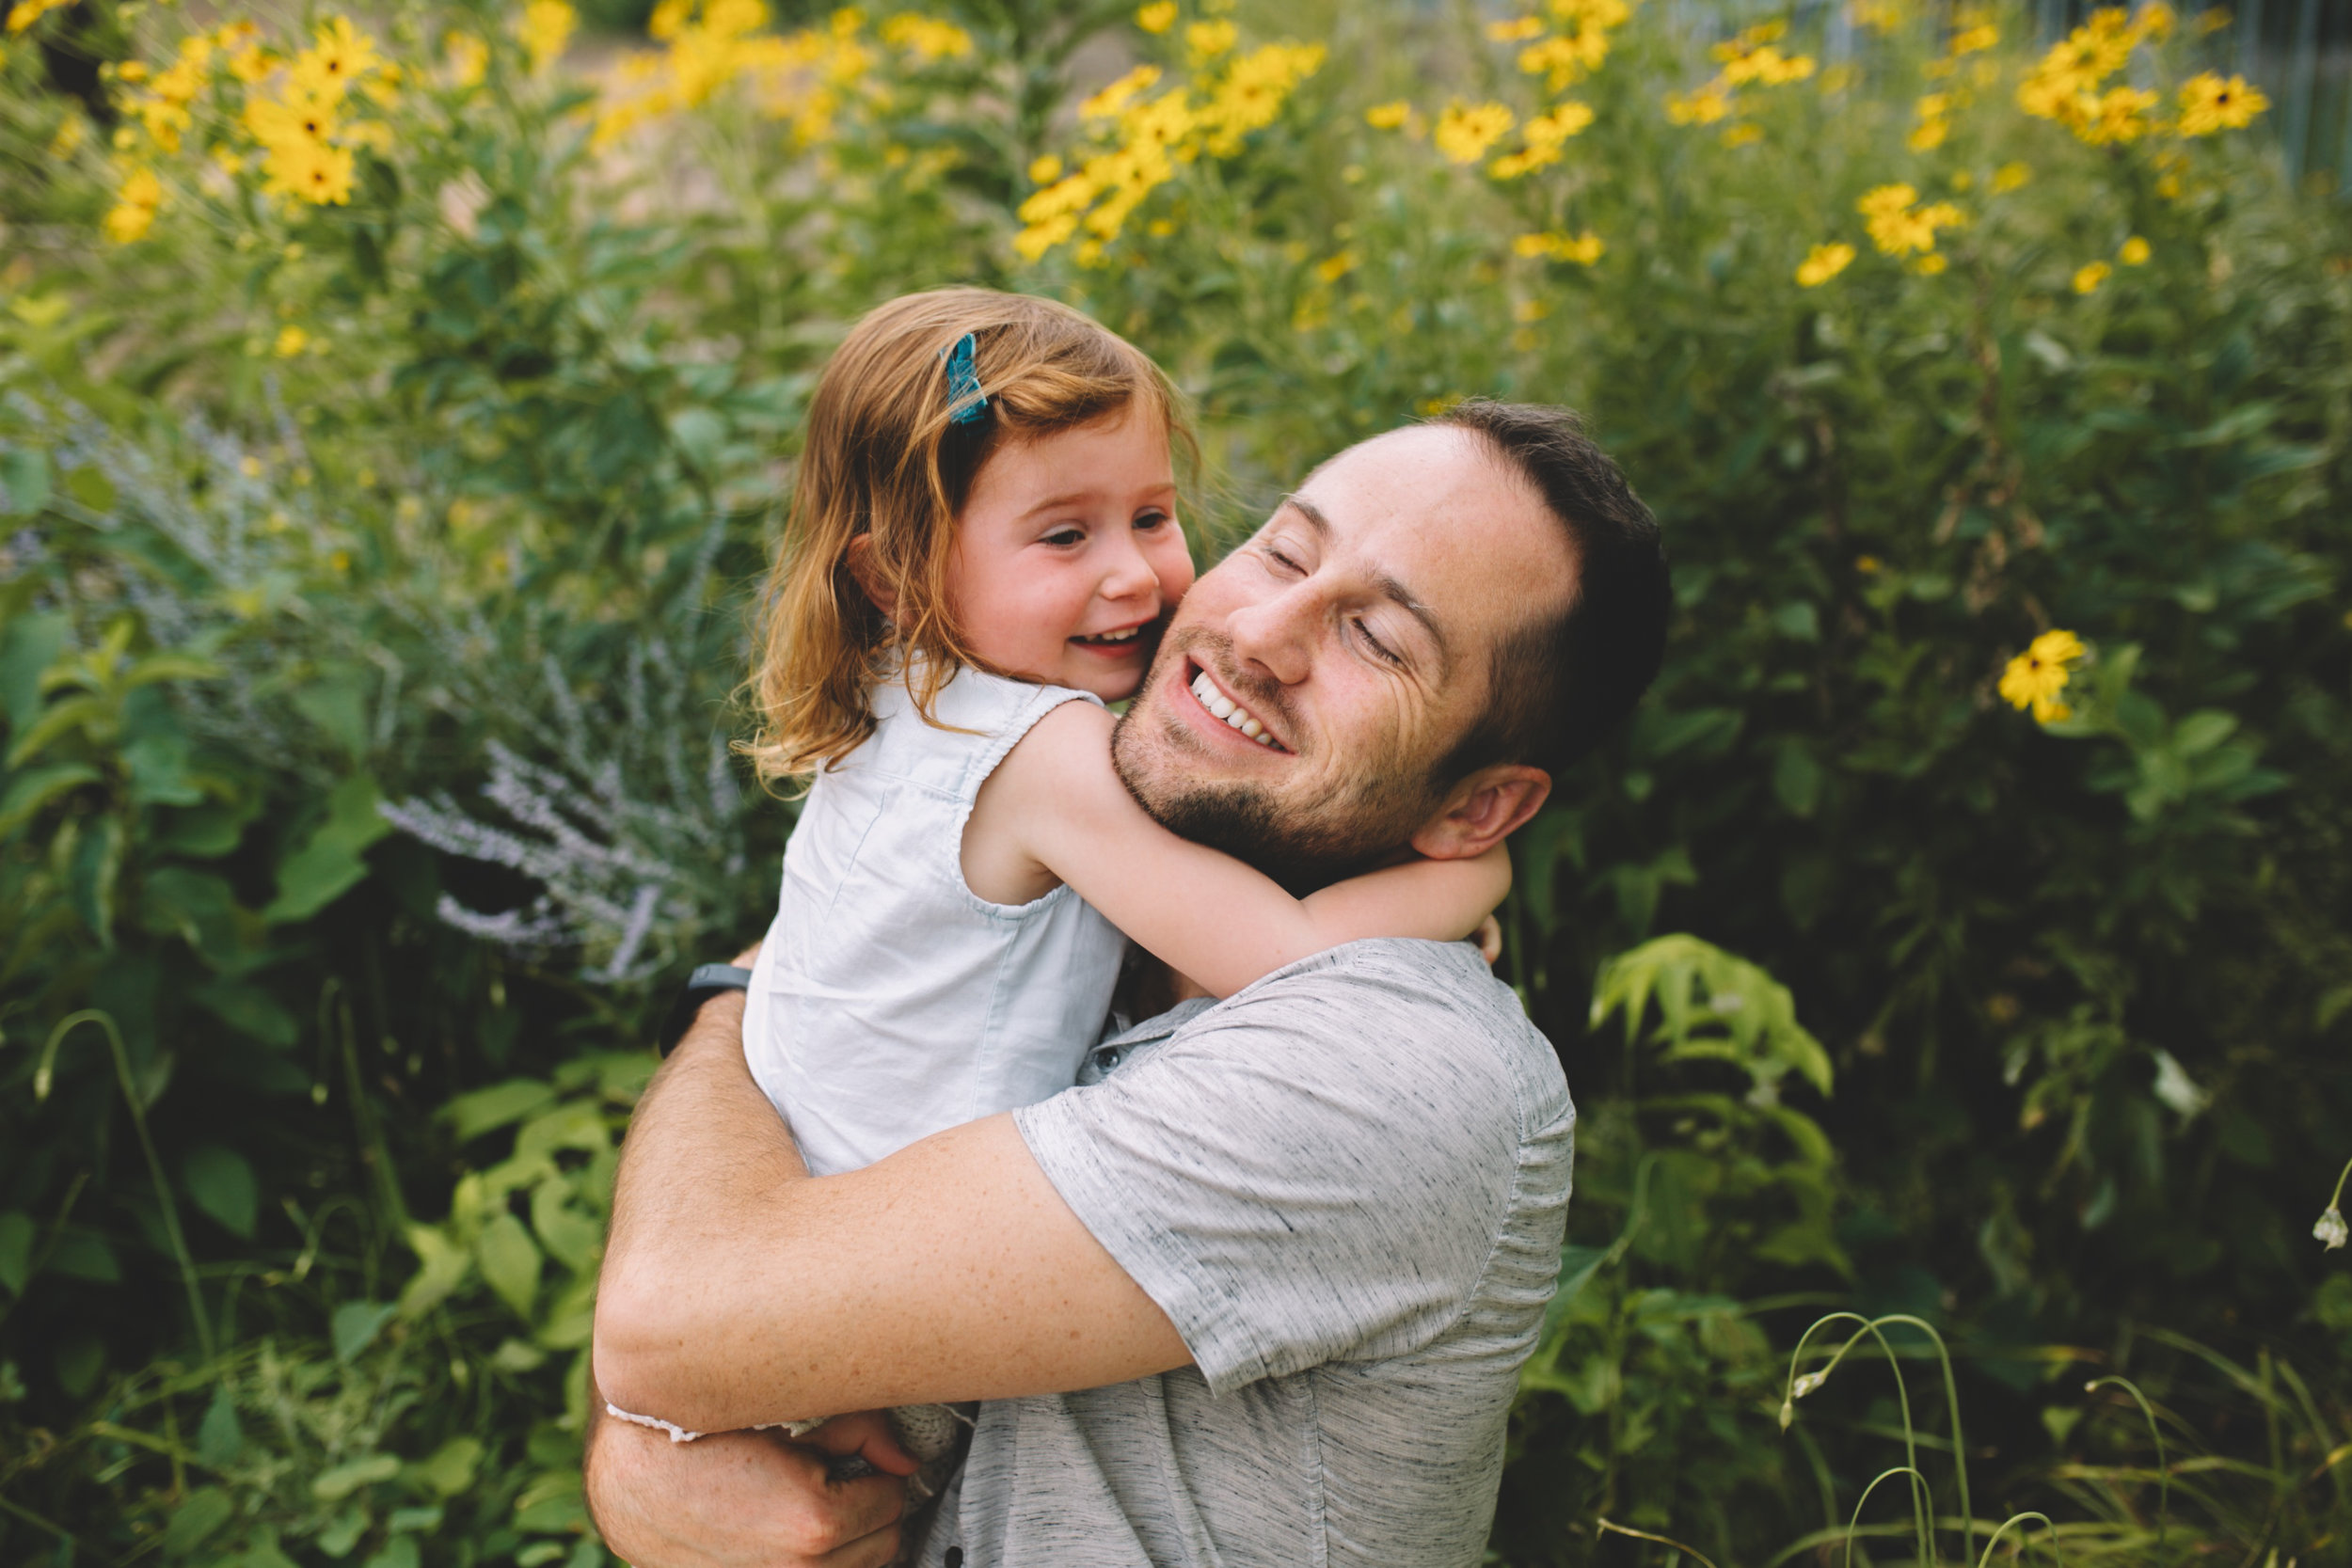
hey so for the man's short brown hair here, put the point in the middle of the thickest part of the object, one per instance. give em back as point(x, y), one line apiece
point(1561, 682)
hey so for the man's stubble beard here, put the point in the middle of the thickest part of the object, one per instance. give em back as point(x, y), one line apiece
point(1303, 847)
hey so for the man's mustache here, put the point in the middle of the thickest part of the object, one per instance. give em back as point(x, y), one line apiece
point(1257, 691)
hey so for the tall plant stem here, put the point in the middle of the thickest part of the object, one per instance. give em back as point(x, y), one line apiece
point(2164, 1475)
point(42, 1076)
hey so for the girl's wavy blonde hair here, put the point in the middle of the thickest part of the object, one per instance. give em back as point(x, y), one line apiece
point(883, 460)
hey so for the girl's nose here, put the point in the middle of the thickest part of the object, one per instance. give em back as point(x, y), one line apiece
point(1127, 574)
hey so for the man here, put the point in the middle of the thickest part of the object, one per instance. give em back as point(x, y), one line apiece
point(1258, 1290)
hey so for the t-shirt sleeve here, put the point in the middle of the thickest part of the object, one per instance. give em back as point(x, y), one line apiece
point(1317, 1171)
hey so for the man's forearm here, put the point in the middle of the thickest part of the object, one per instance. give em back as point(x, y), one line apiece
point(737, 1290)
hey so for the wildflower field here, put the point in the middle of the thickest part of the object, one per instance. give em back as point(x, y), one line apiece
point(1952, 962)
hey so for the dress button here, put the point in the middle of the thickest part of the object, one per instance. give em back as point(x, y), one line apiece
point(955, 1554)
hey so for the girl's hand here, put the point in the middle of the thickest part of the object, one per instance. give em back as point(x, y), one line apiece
point(1490, 938)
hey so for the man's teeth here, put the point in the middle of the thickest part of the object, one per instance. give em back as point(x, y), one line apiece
point(1235, 716)
point(1127, 636)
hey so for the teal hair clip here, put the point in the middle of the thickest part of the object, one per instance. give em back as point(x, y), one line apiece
point(966, 402)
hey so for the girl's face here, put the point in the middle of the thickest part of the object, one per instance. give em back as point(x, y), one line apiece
point(1067, 552)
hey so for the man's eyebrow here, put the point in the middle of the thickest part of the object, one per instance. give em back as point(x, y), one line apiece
point(1309, 511)
point(1390, 588)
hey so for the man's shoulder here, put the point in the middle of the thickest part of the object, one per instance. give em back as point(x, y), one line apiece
point(1412, 1014)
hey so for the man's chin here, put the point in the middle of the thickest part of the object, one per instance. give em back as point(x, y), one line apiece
point(1172, 777)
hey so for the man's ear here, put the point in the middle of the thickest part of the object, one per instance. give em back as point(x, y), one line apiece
point(1484, 810)
point(869, 580)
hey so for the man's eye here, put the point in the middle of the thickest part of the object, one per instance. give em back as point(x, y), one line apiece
point(1274, 554)
point(1380, 650)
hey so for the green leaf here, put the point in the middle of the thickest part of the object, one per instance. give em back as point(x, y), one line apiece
point(16, 1250)
point(332, 1486)
point(470, 1116)
point(220, 1182)
point(193, 1521)
point(91, 488)
point(219, 1438)
point(2203, 730)
point(28, 646)
point(399, 1552)
point(509, 1259)
point(356, 1325)
point(79, 1360)
point(450, 1469)
point(441, 1268)
point(25, 475)
point(33, 789)
point(250, 1011)
point(97, 863)
point(81, 1255)
point(328, 864)
point(336, 699)
point(1797, 778)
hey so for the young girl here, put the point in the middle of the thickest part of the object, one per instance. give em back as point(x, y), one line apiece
point(982, 546)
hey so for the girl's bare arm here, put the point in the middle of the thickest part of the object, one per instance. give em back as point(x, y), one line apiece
point(1204, 913)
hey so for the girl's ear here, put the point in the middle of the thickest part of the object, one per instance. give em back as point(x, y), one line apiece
point(869, 580)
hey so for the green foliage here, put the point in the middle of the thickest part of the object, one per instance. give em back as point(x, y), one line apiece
point(364, 710)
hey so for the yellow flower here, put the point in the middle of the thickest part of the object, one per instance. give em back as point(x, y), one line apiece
point(2209, 104)
point(1157, 17)
point(1823, 262)
point(2009, 177)
point(136, 203)
point(2089, 277)
point(1931, 264)
point(310, 170)
point(291, 341)
point(927, 39)
point(129, 71)
point(1899, 226)
point(1584, 249)
point(1745, 133)
point(69, 136)
point(296, 120)
point(25, 12)
point(2118, 114)
point(1388, 117)
point(1517, 31)
point(469, 58)
point(2035, 678)
point(2134, 252)
point(340, 56)
point(1466, 131)
point(1112, 100)
point(1704, 106)
point(1208, 40)
point(545, 29)
point(1335, 267)
point(1046, 170)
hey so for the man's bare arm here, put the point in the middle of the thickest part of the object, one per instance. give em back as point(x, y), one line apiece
point(738, 1291)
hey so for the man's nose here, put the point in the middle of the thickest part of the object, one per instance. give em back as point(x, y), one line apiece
point(1277, 633)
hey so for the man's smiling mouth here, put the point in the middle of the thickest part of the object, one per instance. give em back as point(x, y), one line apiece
point(1230, 713)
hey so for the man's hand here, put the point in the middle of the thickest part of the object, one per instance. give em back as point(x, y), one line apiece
point(747, 1499)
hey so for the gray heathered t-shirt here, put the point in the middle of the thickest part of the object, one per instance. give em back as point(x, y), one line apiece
point(1345, 1185)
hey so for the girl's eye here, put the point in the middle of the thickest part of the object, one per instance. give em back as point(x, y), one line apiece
point(1378, 648)
point(1150, 520)
point(1065, 536)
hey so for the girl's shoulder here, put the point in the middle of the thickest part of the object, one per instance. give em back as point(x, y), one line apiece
point(975, 719)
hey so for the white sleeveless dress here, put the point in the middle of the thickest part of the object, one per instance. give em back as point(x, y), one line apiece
point(889, 1001)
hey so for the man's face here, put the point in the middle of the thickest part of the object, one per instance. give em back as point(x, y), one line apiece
point(1350, 641)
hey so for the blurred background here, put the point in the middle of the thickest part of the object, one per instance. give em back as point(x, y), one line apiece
point(394, 408)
